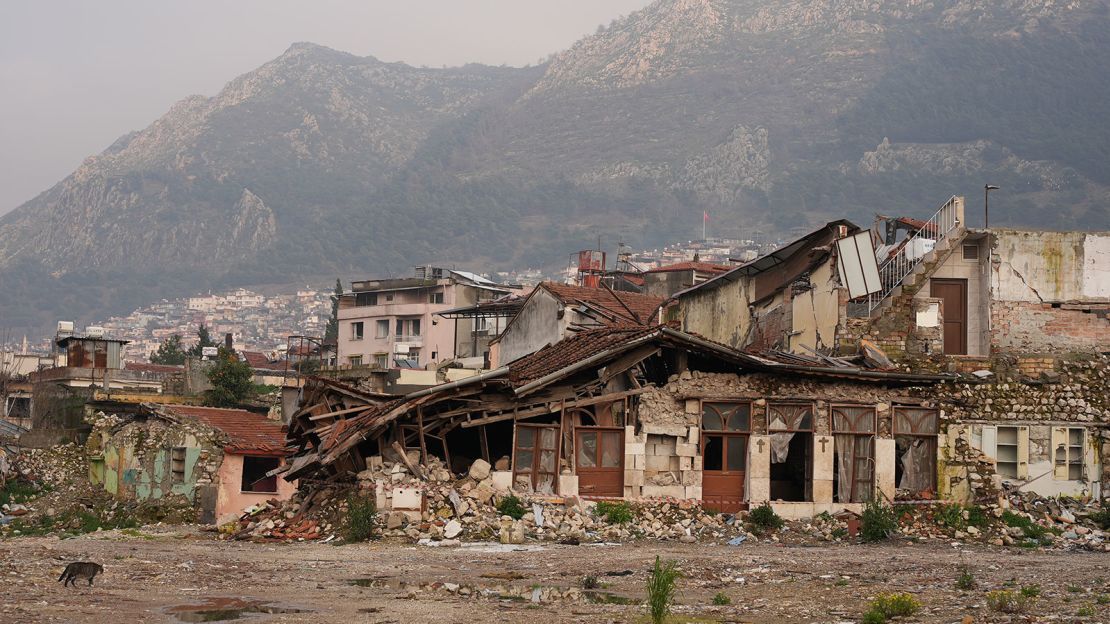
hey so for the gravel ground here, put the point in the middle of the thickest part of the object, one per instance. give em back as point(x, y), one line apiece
point(179, 575)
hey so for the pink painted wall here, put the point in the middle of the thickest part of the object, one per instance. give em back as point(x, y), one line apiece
point(230, 500)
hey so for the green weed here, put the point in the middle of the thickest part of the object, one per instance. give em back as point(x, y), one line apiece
point(362, 515)
point(511, 506)
point(886, 606)
point(660, 589)
point(721, 599)
point(614, 512)
point(878, 521)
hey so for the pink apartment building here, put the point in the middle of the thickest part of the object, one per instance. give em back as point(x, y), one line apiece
point(395, 323)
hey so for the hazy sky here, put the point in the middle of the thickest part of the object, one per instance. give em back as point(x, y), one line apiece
point(77, 74)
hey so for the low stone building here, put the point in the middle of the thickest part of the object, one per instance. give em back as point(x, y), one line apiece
point(216, 459)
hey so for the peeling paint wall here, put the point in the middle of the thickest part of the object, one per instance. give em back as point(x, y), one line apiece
point(1050, 291)
point(1040, 267)
point(134, 459)
point(719, 313)
point(799, 315)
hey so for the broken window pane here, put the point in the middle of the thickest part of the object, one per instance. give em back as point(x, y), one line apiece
point(587, 449)
point(547, 461)
point(711, 420)
point(547, 437)
point(525, 437)
point(712, 453)
point(610, 450)
point(524, 461)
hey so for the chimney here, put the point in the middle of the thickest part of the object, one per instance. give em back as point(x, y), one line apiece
point(227, 341)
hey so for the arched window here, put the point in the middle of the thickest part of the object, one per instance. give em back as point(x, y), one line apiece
point(719, 416)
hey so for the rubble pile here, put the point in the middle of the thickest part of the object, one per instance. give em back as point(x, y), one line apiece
point(283, 521)
point(443, 508)
point(70, 502)
point(1024, 519)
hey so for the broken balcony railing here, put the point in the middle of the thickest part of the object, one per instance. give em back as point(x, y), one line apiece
point(911, 251)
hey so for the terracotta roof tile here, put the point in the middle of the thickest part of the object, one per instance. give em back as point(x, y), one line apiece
point(259, 360)
point(572, 350)
point(643, 305)
point(249, 432)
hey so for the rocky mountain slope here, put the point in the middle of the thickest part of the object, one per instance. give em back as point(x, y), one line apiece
point(771, 114)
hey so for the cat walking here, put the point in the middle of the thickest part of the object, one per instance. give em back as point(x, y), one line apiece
point(80, 569)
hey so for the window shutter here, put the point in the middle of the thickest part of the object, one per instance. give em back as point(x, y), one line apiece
point(1059, 453)
point(1023, 453)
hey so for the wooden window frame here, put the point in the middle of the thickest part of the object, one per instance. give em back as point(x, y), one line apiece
point(857, 434)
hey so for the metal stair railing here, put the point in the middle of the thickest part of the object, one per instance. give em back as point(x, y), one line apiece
point(909, 255)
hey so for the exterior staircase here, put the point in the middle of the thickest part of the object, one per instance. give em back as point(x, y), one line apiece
point(905, 272)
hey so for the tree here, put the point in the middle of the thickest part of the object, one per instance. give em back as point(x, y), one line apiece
point(169, 352)
point(204, 339)
point(232, 380)
point(331, 331)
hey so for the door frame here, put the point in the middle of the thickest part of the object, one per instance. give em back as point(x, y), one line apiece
point(618, 471)
point(537, 452)
point(740, 475)
point(962, 284)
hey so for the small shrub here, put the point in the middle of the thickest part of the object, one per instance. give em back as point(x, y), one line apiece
point(1029, 528)
point(511, 506)
point(1031, 591)
point(1103, 599)
point(839, 533)
point(878, 521)
point(886, 606)
point(966, 580)
point(589, 581)
point(841, 582)
point(1101, 518)
point(721, 599)
point(958, 517)
point(1006, 601)
point(1086, 611)
point(17, 491)
point(764, 517)
point(614, 512)
point(362, 515)
point(1075, 589)
point(660, 589)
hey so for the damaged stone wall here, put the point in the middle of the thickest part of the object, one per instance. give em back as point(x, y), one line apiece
point(1066, 393)
point(661, 459)
point(134, 458)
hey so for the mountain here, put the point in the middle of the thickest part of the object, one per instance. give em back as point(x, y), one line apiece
point(770, 114)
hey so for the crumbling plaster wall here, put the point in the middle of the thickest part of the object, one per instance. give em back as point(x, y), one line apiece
point(816, 311)
point(133, 459)
point(1050, 291)
point(719, 313)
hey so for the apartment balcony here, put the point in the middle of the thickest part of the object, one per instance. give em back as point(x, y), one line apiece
point(412, 341)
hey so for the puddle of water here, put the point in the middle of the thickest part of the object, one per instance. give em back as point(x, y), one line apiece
point(224, 609)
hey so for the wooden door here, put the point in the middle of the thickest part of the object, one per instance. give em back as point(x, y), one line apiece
point(599, 461)
point(724, 457)
point(953, 294)
point(535, 456)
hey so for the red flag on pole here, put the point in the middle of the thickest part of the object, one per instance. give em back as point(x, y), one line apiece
point(705, 216)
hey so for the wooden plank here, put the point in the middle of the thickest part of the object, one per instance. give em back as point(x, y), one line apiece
point(414, 469)
point(420, 428)
point(361, 408)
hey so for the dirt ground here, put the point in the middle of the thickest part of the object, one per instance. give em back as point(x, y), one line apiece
point(180, 575)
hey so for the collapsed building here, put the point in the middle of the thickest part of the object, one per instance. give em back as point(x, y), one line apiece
point(646, 412)
point(915, 361)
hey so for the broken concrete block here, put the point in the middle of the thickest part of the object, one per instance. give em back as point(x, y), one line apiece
point(452, 529)
point(568, 485)
point(407, 498)
point(395, 520)
point(479, 470)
